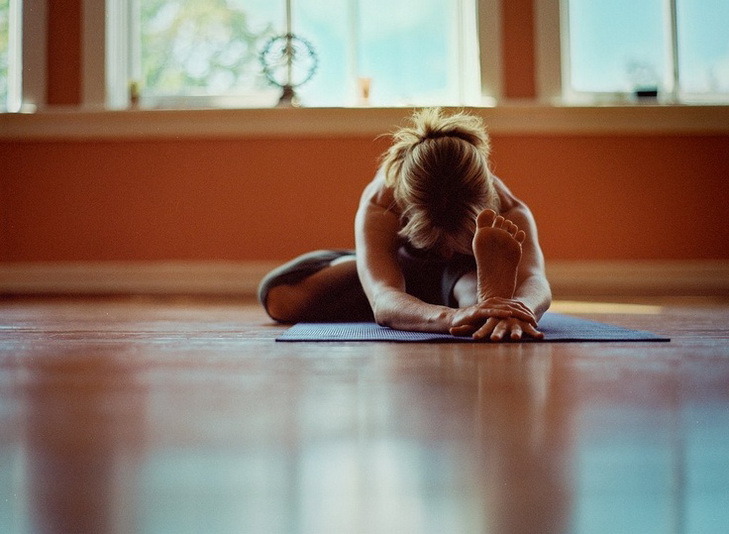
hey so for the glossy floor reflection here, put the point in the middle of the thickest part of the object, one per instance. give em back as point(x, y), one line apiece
point(142, 415)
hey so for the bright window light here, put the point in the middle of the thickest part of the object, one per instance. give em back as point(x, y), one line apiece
point(207, 52)
point(4, 59)
point(10, 37)
point(617, 46)
point(200, 48)
point(703, 47)
point(672, 50)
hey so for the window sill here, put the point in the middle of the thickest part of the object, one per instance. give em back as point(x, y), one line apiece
point(507, 119)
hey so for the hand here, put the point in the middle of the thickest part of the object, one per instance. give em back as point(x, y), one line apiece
point(517, 308)
point(506, 329)
point(496, 318)
point(474, 316)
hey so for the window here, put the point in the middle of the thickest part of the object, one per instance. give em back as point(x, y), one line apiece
point(192, 52)
point(411, 52)
point(703, 47)
point(187, 52)
point(4, 59)
point(9, 55)
point(675, 50)
point(22, 54)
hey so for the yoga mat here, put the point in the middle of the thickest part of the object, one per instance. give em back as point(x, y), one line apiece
point(556, 327)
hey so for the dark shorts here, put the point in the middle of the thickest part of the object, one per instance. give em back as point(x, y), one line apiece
point(427, 277)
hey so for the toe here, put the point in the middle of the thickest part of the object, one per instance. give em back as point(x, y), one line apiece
point(520, 236)
point(510, 227)
point(485, 218)
point(506, 225)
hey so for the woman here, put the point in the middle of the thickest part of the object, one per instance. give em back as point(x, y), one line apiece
point(442, 245)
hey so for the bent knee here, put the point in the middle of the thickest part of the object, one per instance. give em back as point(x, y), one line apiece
point(284, 304)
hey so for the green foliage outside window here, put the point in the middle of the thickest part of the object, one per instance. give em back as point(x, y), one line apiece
point(199, 47)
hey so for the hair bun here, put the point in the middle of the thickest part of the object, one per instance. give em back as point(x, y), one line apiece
point(431, 123)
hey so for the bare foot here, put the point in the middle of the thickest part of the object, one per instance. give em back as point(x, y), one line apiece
point(497, 249)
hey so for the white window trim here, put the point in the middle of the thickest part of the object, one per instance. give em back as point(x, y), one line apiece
point(548, 52)
point(33, 56)
point(490, 51)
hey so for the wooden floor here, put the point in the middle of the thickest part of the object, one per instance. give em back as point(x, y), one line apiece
point(143, 415)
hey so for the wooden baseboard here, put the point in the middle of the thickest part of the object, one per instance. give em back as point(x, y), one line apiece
point(568, 278)
point(639, 278)
point(210, 278)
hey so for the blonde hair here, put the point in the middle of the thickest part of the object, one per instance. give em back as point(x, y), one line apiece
point(438, 169)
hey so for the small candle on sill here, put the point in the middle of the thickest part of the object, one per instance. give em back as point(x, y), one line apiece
point(133, 95)
point(364, 85)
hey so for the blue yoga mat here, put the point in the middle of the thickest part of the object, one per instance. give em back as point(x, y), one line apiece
point(556, 327)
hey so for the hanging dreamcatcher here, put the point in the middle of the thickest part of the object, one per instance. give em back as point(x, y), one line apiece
point(288, 61)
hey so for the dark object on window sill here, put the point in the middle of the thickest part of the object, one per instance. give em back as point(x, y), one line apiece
point(646, 92)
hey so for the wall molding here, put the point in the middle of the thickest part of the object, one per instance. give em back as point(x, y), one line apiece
point(509, 119)
point(173, 277)
point(639, 278)
point(568, 278)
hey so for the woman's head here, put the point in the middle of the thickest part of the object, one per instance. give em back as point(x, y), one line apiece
point(438, 168)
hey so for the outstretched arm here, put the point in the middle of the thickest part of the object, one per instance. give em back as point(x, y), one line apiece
point(376, 228)
point(532, 287)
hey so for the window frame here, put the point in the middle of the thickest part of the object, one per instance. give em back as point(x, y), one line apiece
point(96, 78)
point(27, 73)
point(484, 30)
point(553, 66)
point(571, 95)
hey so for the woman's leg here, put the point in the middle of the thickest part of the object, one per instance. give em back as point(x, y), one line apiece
point(322, 286)
point(497, 250)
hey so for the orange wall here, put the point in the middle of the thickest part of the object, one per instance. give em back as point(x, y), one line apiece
point(64, 52)
point(517, 43)
point(197, 199)
point(595, 197)
point(624, 197)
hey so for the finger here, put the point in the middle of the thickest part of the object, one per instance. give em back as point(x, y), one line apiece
point(533, 332)
point(499, 304)
point(516, 331)
point(487, 328)
point(463, 330)
point(517, 305)
point(492, 303)
point(508, 313)
point(500, 330)
point(523, 315)
point(480, 315)
point(495, 312)
point(517, 308)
